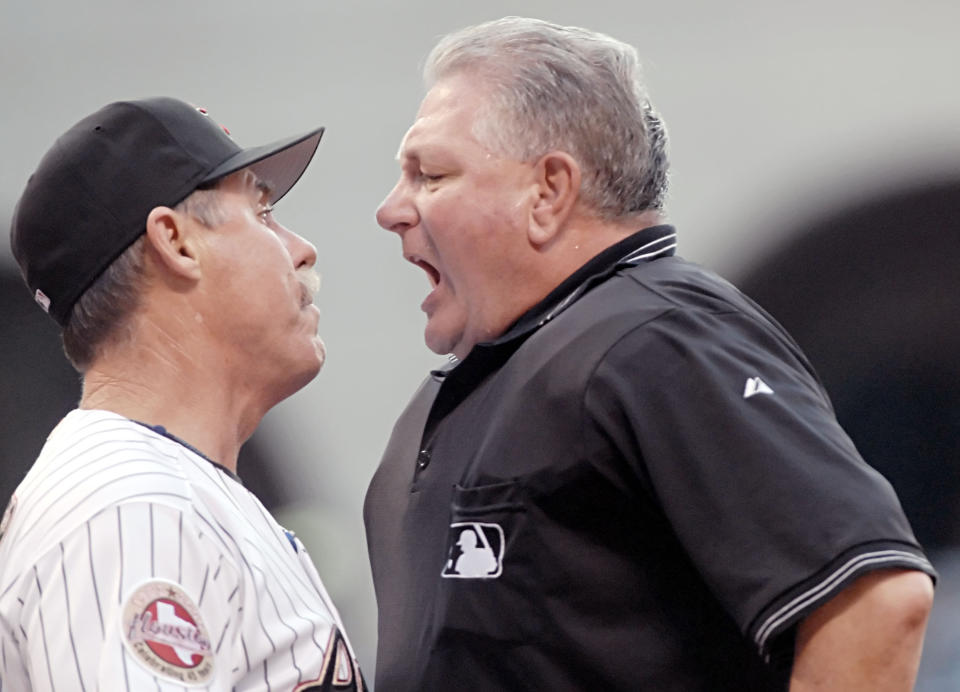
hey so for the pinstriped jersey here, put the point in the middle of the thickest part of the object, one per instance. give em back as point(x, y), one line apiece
point(130, 562)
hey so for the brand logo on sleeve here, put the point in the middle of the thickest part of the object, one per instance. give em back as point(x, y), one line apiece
point(755, 386)
point(163, 630)
point(474, 551)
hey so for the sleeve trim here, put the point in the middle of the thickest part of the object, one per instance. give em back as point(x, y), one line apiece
point(833, 583)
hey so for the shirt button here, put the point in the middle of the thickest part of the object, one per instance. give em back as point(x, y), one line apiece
point(423, 459)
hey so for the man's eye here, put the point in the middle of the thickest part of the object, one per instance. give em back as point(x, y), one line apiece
point(429, 177)
point(265, 213)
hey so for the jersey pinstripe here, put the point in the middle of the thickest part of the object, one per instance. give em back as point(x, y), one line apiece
point(129, 562)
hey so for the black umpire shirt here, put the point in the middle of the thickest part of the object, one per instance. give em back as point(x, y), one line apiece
point(640, 486)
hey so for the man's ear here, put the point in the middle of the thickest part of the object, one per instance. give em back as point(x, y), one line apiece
point(173, 240)
point(558, 188)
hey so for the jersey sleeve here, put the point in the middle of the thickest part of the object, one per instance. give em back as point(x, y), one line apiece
point(141, 596)
point(733, 437)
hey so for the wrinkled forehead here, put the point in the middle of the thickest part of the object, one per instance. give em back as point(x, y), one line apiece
point(414, 138)
point(447, 111)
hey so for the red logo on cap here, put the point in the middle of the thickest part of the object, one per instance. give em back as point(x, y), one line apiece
point(204, 112)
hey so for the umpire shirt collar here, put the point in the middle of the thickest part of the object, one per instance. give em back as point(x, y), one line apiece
point(643, 246)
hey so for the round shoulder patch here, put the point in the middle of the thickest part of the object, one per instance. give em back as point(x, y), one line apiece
point(164, 632)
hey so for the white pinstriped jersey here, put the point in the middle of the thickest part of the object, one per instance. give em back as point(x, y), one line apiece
point(129, 562)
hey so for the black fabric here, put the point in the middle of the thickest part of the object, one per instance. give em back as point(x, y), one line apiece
point(660, 530)
point(91, 194)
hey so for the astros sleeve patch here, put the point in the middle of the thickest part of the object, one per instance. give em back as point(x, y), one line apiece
point(164, 632)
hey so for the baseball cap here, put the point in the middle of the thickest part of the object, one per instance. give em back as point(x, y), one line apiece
point(90, 196)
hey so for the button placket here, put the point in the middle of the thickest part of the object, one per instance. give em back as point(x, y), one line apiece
point(423, 459)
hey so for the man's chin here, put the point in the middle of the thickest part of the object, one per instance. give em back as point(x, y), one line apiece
point(320, 349)
point(441, 344)
point(310, 364)
point(300, 378)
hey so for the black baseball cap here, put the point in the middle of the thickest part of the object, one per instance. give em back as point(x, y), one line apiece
point(89, 198)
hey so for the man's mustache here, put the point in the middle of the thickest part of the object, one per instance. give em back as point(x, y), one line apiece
point(310, 281)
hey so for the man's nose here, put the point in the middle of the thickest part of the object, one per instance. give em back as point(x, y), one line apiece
point(302, 251)
point(397, 212)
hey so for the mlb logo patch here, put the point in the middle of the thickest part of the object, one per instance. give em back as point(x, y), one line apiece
point(474, 551)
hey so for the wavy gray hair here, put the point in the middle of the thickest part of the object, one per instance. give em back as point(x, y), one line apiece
point(562, 87)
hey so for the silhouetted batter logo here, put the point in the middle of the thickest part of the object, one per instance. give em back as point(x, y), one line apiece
point(163, 630)
point(474, 551)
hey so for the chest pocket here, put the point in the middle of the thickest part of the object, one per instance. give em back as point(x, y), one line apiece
point(487, 586)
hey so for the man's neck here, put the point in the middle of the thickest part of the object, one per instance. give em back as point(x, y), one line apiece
point(585, 237)
point(196, 400)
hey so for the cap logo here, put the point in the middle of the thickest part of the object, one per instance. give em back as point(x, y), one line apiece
point(42, 300)
point(164, 632)
point(204, 112)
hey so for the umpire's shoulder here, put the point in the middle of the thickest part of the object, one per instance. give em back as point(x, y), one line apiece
point(680, 284)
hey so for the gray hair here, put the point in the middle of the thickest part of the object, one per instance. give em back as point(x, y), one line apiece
point(102, 314)
point(556, 87)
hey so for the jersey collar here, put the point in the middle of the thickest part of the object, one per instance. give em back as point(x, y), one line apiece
point(645, 245)
point(457, 379)
point(162, 431)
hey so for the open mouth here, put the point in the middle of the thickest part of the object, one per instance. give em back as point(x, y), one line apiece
point(432, 274)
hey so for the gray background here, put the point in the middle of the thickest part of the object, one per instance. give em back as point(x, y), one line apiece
point(776, 111)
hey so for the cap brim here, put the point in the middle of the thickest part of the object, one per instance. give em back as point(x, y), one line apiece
point(280, 164)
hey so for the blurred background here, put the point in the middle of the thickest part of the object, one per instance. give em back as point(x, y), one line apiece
point(816, 163)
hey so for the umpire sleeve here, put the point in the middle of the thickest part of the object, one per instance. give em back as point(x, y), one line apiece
point(733, 435)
